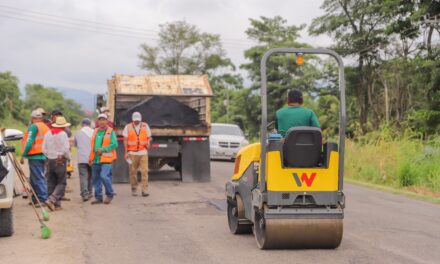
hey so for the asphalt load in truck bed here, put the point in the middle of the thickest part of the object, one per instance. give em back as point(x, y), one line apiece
point(161, 111)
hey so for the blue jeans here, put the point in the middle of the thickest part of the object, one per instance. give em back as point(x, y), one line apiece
point(38, 181)
point(102, 175)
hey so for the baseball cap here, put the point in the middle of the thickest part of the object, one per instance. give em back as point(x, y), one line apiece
point(86, 121)
point(136, 116)
point(102, 116)
point(36, 114)
point(57, 112)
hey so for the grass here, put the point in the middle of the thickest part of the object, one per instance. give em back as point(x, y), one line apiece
point(399, 191)
point(407, 165)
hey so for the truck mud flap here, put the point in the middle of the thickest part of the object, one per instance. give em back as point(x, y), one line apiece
point(196, 165)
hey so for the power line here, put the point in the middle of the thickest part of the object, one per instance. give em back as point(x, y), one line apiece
point(75, 27)
point(142, 30)
point(97, 25)
point(98, 30)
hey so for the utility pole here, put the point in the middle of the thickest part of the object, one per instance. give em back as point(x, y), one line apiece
point(226, 103)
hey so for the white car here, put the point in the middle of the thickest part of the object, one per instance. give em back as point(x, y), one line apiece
point(226, 140)
point(7, 176)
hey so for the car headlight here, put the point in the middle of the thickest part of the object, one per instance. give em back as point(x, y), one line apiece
point(2, 191)
point(244, 143)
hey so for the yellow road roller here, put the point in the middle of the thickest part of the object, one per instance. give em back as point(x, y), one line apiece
point(289, 191)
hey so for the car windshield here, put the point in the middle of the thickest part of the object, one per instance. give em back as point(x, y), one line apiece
point(226, 130)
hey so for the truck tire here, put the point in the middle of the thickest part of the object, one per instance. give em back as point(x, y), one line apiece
point(6, 222)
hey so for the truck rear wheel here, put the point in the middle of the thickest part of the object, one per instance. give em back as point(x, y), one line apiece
point(6, 222)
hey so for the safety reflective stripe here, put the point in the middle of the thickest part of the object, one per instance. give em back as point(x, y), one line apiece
point(137, 139)
point(37, 146)
point(106, 157)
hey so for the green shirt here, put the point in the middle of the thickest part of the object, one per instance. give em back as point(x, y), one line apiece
point(294, 116)
point(32, 134)
point(98, 144)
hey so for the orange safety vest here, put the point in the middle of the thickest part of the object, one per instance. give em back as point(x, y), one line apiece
point(137, 142)
point(37, 146)
point(106, 157)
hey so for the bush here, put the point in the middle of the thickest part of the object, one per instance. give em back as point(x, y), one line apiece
point(405, 162)
point(405, 175)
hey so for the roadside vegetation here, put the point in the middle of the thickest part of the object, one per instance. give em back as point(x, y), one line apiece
point(406, 163)
point(16, 107)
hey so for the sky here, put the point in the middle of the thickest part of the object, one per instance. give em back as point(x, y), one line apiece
point(80, 44)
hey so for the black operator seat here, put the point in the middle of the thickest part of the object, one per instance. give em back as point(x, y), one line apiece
point(302, 147)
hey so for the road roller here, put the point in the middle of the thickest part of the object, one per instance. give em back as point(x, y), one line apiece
point(289, 191)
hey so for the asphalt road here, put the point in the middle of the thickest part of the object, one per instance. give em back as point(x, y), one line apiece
point(186, 223)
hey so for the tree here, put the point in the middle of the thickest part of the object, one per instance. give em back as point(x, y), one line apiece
point(225, 88)
point(10, 103)
point(183, 49)
point(282, 71)
point(49, 98)
point(358, 29)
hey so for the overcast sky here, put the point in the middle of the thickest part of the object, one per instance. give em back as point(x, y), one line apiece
point(50, 42)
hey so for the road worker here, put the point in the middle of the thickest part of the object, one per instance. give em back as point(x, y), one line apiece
point(102, 154)
point(294, 114)
point(137, 138)
point(56, 147)
point(32, 150)
point(82, 142)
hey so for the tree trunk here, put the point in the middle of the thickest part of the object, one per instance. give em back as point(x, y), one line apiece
point(362, 97)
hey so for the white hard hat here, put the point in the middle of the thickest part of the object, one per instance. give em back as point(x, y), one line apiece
point(136, 116)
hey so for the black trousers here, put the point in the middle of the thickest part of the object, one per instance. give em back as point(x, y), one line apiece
point(56, 180)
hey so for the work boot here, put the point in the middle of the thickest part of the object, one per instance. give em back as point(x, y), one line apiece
point(24, 194)
point(96, 202)
point(145, 194)
point(134, 192)
point(66, 199)
point(108, 200)
point(50, 205)
point(86, 198)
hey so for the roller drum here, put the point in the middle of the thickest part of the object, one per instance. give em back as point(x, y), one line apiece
point(298, 233)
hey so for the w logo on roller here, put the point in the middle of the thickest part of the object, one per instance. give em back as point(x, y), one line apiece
point(308, 180)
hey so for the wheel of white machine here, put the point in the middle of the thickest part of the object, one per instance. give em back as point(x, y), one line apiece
point(236, 219)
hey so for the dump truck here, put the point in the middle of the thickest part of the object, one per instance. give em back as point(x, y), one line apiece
point(177, 109)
